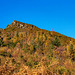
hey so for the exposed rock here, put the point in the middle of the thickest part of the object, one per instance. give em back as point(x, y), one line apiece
point(21, 25)
point(17, 24)
point(14, 23)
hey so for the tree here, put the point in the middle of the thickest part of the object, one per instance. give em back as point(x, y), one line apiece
point(51, 49)
point(33, 46)
point(38, 40)
point(45, 37)
point(1, 43)
point(56, 42)
point(17, 35)
point(72, 52)
point(11, 44)
point(26, 47)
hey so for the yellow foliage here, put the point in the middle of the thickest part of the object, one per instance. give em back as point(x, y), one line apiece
point(9, 50)
point(18, 44)
point(31, 48)
point(35, 39)
point(15, 39)
point(5, 39)
point(20, 34)
point(71, 42)
point(68, 48)
point(68, 64)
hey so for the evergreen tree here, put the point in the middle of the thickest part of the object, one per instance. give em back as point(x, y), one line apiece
point(33, 46)
point(56, 42)
point(72, 52)
point(45, 37)
point(1, 43)
point(17, 35)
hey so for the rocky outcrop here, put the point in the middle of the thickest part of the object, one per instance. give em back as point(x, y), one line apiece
point(18, 24)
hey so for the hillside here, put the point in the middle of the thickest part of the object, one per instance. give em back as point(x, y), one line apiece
point(28, 50)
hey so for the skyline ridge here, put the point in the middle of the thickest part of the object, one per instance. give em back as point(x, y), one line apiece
point(37, 27)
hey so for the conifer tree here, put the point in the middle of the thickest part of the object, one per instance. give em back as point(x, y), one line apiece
point(72, 52)
point(56, 42)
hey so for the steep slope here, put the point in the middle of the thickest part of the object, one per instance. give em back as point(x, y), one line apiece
point(27, 49)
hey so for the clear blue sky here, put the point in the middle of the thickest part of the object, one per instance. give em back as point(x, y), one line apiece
point(45, 14)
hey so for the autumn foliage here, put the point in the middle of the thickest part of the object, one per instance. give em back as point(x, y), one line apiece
point(27, 50)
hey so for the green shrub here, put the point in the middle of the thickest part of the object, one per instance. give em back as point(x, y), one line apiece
point(29, 64)
point(11, 44)
point(5, 54)
point(36, 63)
point(17, 35)
point(72, 52)
point(9, 38)
point(21, 56)
point(13, 61)
point(8, 35)
point(1, 43)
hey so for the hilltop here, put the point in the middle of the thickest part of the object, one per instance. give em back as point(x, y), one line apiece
point(23, 28)
point(25, 48)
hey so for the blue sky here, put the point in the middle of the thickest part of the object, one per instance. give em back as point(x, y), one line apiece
point(45, 14)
